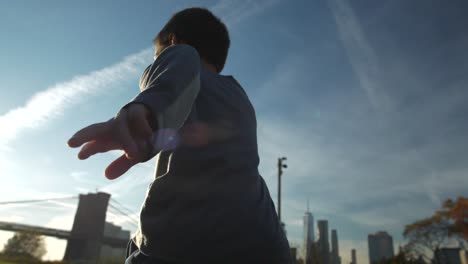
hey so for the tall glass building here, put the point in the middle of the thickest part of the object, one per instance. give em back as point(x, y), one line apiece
point(335, 252)
point(323, 242)
point(380, 246)
point(308, 233)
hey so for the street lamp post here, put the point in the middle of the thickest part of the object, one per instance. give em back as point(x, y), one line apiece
point(281, 165)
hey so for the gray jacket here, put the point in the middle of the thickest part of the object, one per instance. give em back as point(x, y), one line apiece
point(208, 202)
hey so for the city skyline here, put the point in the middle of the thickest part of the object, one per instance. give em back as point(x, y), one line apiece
point(309, 232)
point(335, 257)
point(365, 100)
point(323, 243)
point(353, 256)
point(380, 246)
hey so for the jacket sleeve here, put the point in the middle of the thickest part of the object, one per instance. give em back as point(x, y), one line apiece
point(168, 87)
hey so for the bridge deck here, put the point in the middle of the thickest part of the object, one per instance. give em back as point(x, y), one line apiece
point(62, 234)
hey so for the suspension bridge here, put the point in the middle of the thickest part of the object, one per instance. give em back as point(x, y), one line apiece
point(90, 236)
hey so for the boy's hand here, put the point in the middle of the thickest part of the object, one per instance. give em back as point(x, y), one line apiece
point(128, 131)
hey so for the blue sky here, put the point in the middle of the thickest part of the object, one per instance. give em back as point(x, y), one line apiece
point(367, 99)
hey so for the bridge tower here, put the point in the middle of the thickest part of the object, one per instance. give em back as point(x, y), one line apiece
point(87, 232)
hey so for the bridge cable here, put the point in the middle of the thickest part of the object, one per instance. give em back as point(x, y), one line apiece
point(38, 200)
point(115, 210)
point(130, 220)
point(129, 212)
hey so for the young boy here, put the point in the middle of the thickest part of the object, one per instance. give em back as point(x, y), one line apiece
point(208, 202)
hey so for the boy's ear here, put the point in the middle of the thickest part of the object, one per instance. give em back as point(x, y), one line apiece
point(175, 40)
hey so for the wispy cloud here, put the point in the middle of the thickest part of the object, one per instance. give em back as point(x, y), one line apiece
point(362, 55)
point(86, 179)
point(52, 102)
point(12, 218)
point(233, 12)
point(78, 175)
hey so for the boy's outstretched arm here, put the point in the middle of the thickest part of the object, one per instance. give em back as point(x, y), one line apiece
point(116, 134)
point(168, 89)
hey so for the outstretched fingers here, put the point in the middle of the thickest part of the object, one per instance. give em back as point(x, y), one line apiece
point(129, 131)
point(94, 147)
point(89, 133)
point(119, 166)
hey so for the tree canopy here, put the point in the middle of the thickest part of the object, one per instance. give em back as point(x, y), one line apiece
point(446, 225)
point(457, 212)
point(26, 244)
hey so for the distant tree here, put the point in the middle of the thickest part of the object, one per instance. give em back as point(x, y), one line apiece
point(402, 258)
point(445, 225)
point(25, 244)
point(457, 213)
point(426, 236)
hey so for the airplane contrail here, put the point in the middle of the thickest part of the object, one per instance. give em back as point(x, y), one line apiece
point(50, 103)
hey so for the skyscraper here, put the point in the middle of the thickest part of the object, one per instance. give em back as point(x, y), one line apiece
point(323, 244)
point(380, 246)
point(293, 252)
point(308, 232)
point(353, 256)
point(335, 252)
